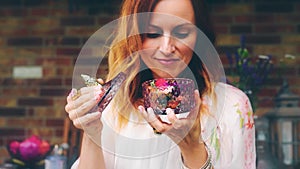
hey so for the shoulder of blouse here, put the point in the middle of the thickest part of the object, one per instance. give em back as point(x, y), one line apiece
point(236, 105)
point(230, 91)
point(230, 95)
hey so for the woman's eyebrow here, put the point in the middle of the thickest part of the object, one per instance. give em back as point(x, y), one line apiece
point(185, 24)
point(154, 26)
point(177, 26)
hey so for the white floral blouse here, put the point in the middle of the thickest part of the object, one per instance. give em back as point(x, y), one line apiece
point(228, 131)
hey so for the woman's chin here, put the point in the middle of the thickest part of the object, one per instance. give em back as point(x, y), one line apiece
point(162, 74)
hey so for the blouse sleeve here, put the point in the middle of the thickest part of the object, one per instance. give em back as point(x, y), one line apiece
point(234, 140)
point(246, 128)
point(243, 141)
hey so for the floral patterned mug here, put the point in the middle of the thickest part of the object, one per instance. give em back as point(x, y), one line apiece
point(174, 93)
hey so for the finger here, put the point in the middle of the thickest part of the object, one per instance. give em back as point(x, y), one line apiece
point(155, 122)
point(71, 94)
point(89, 89)
point(171, 115)
point(180, 124)
point(74, 104)
point(146, 114)
point(82, 91)
point(151, 118)
point(195, 111)
point(143, 112)
point(198, 103)
point(87, 94)
point(82, 109)
point(70, 106)
point(81, 106)
point(85, 120)
point(195, 117)
point(69, 100)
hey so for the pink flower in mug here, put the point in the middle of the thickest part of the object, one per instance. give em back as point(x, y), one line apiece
point(161, 83)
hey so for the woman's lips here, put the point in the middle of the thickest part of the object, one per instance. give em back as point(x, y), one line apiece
point(167, 61)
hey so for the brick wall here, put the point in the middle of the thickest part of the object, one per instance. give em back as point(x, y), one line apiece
point(50, 33)
point(47, 33)
point(270, 29)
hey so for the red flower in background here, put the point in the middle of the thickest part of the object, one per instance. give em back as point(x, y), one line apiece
point(14, 147)
point(44, 147)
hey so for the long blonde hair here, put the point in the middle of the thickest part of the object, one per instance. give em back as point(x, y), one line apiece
point(122, 56)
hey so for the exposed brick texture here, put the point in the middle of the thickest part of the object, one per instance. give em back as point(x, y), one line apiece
point(263, 39)
point(50, 34)
point(241, 29)
point(35, 102)
point(6, 111)
point(280, 7)
point(14, 3)
point(254, 18)
point(24, 42)
point(12, 132)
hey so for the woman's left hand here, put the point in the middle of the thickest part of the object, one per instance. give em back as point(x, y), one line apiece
point(186, 132)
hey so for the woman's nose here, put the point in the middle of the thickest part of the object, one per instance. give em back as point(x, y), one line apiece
point(167, 45)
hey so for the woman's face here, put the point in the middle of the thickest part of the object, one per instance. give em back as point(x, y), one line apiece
point(170, 38)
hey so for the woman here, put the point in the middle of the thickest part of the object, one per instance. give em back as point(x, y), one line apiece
point(218, 132)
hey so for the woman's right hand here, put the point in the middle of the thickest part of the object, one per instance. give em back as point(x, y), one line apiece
point(80, 108)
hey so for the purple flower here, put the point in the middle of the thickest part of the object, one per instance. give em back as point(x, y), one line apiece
point(229, 57)
point(251, 76)
point(175, 89)
point(29, 150)
point(237, 58)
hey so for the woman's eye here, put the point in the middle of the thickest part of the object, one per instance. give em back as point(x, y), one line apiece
point(181, 35)
point(153, 35)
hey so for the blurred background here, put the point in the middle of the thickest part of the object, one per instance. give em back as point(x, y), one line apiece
point(40, 40)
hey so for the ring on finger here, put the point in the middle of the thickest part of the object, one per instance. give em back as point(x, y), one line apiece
point(156, 132)
point(75, 94)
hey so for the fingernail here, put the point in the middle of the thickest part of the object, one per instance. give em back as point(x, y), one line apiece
point(168, 111)
point(149, 109)
point(141, 109)
point(197, 91)
point(72, 92)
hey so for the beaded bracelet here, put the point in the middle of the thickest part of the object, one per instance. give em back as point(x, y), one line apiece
point(207, 164)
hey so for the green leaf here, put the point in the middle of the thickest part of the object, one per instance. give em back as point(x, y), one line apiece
point(243, 53)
